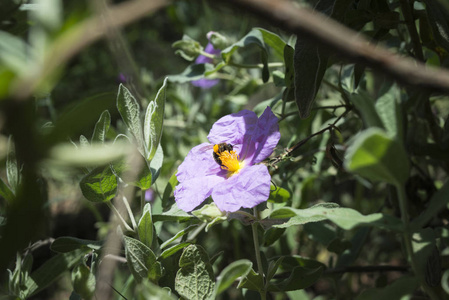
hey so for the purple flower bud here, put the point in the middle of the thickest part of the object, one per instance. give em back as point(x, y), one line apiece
point(149, 196)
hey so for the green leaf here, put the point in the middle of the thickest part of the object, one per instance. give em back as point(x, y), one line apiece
point(339, 245)
point(99, 185)
point(272, 235)
point(48, 15)
point(101, 127)
point(141, 260)
point(209, 212)
point(289, 77)
point(195, 278)
point(173, 250)
point(376, 156)
point(178, 235)
point(14, 284)
point(15, 53)
point(231, 273)
point(129, 109)
point(169, 188)
point(173, 214)
point(144, 179)
point(357, 242)
point(438, 19)
point(423, 243)
point(84, 142)
point(310, 64)
point(274, 41)
point(321, 232)
point(83, 281)
point(156, 163)
point(6, 192)
point(69, 121)
point(146, 290)
point(187, 48)
point(51, 270)
point(300, 278)
point(154, 119)
point(365, 105)
point(273, 267)
point(252, 281)
point(398, 289)
point(388, 107)
point(261, 38)
point(437, 203)
point(289, 262)
point(278, 195)
point(12, 168)
point(345, 218)
point(67, 244)
point(145, 226)
point(191, 73)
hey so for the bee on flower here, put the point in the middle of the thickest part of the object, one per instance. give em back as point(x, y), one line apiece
point(228, 168)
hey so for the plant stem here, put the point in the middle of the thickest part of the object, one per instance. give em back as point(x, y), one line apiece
point(208, 55)
point(142, 200)
point(258, 259)
point(130, 213)
point(408, 241)
point(119, 216)
point(255, 66)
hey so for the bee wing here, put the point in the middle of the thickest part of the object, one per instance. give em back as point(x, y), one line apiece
point(207, 148)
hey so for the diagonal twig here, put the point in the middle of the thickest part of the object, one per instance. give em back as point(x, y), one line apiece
point(347, 43)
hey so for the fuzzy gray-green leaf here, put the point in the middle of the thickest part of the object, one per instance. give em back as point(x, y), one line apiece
point(346, 218)
point(129, 109)
point(102, 127)
point(231, 273)
point(154, 119)
point(100, 185)
point(12, 168)
point(141, 260)
point(145, 226)
point(195, 278)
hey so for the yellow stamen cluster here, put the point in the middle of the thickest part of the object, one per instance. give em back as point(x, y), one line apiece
point(230, 161)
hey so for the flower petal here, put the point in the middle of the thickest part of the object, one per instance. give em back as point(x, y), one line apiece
point(205, 83)
point(248, 188)
point(199, 162)
point(201, 59)
point(264, 139)
point(191, 193)
point(233, 128)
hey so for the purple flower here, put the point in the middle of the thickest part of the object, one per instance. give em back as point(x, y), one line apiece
point(201, 59)
point(239, 181)
point(122, 78)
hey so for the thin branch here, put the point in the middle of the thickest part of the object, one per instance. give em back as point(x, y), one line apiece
point(347, 43)
point(288, 151)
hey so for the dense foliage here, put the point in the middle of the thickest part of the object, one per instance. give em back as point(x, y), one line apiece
point(94, 137)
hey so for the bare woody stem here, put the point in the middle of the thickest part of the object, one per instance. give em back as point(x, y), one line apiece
point(348, 44)
point(302, 142)
point(258, 258)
